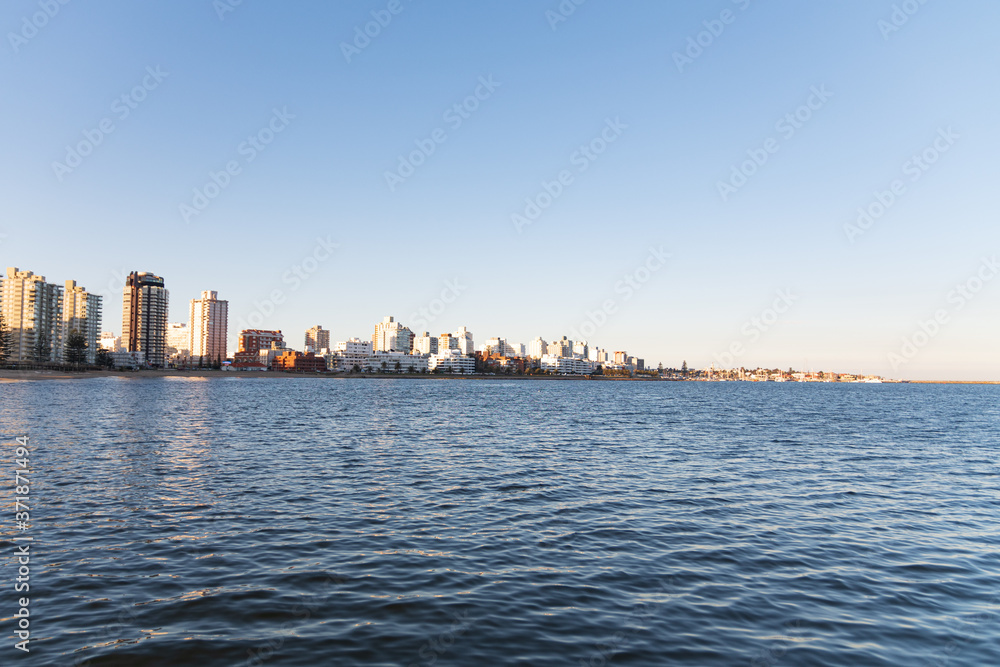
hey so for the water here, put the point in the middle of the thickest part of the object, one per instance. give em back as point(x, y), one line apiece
point(284, 521)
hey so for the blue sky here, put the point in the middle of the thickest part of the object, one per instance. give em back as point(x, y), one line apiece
point(859, 297)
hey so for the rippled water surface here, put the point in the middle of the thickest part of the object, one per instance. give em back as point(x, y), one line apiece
point(239, 521)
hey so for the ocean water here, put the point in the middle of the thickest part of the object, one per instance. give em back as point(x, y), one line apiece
point(239, 521)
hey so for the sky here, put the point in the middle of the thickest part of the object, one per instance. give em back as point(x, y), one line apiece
point(734, 182)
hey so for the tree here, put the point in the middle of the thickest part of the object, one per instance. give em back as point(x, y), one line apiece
point(399, 366)
point(5, 340)
point(384, 366)
point(684, 367)
point(76, 348)
point(42, 349)
point(105, 359)
point(659, 369)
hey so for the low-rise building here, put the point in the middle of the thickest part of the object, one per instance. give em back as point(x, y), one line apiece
point(395, 362)
point(566, 365)
point(293, 360)
point(451, 361)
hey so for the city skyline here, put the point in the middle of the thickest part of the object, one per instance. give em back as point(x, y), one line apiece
point(672, 176)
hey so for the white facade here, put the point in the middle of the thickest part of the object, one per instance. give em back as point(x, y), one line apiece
point(209, 323)
point(347, 354)
point(537, 348)
point(395, 362)
point(465, 343)
point(110, 342)
point(391, 336)
point(451, 361)
point(566, 365)
point(178, 339)
point(581, 350)
point(425, 344)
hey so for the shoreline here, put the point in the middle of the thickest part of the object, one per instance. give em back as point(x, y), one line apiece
point(35, 375)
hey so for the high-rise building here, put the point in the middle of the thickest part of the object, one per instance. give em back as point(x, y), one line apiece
point(561, 348)
point(425, 344)
point(581, 350)
point(537, 348)
point(317, 339)
point(209, 324)
point(465, 343)
point(144, 317)
point(621, 358)
point(32, 312)
point(447, 342)
point(110, 342)
point(391, 336)
point(255, 340)
point(82, 312)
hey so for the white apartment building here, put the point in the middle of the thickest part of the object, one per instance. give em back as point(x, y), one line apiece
point(81, 312)
point(345, 355)
point(465, 343)
point(32, 312)
point(451, 361)
point(581, 350)
point(209, 324)
point(395, 362)
point(110, 342)
point(566, 365)
point(391, 336)
point(537, 348)
point(178, 340)
point(425, 344)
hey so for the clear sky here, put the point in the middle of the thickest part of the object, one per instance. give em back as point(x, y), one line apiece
point(664, 122)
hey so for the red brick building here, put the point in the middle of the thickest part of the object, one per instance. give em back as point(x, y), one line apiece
point(294, 360)
point(255, 340)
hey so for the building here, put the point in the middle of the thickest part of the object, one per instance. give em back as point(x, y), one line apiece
point(581, 350)
point(268, 356)
point(209, 327)
point(391, 336)
point(293, 360)
point(249, 361)
point(451, 361)
point(566, 365)
point(537, 348)
point(110, 342)
point(81, 312)
point(425, 344)
point(395, 362)
point(447, 342)
point(178, 342)
point(348, 355)
point(317, 339)
point(561, 348)
point(145, 302)
point(465, 343)
point(637, 363)
point(498, 346)
point(620, 359)
point(32, 312)
point(255, 340)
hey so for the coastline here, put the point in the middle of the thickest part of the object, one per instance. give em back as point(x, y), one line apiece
point(36, 375)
